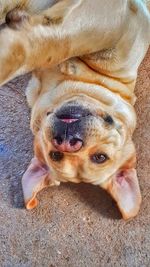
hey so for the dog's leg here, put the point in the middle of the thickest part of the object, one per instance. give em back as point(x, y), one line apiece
point(33, 90)
point(32, 6)
point(76, 69)
point(82, 29)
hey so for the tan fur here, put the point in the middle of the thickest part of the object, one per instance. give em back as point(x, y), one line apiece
point(88, 51)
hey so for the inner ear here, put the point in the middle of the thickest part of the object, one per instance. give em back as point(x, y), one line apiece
point(36, 177)
point(124, 188)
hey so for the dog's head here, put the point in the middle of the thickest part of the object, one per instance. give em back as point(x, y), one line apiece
point(81, 139)
point(82, 142)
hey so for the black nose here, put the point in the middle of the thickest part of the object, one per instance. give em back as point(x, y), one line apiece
point(68, 130)
point(67, 136)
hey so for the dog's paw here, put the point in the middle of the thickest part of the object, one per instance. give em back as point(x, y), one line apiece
point(16, 18)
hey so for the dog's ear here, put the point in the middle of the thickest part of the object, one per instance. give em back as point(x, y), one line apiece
point(124, 188)
point(36, 177)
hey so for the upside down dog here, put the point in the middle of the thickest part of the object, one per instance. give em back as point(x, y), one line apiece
point(84, 56)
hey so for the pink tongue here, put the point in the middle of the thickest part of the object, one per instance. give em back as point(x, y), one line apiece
point(69, 120)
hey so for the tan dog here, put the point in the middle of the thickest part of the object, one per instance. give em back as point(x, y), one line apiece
point(86, 55)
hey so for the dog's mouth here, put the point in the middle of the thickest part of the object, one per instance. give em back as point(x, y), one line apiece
point(69, 120)
point(73, 113)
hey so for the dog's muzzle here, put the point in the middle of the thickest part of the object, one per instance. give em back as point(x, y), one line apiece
point(68, 128)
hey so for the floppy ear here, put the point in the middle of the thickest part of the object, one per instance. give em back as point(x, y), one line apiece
point(124, 188)
point(36, 177)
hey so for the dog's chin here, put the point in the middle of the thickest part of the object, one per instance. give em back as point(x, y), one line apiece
point(83, 105)
point(65, 177)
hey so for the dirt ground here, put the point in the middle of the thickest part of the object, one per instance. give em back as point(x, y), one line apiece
point(74, 225)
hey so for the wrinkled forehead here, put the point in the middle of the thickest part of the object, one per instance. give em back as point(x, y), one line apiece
point(103, 134)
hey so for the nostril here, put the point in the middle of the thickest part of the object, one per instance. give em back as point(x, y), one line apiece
point(71, 145)
point(58, 140)
point(74, 141)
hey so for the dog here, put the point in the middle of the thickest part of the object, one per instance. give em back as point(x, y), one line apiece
point(84, 57)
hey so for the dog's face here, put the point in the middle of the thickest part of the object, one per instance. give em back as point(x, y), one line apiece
point(80, 141)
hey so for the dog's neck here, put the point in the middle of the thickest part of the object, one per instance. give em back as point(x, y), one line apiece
point(114, 81)
point(91, 70)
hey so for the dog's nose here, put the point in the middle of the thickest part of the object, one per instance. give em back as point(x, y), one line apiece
point(68, 128)
point(70, 144)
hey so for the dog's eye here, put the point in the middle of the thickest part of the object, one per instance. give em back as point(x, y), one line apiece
point(99, 158)
point(108, 119)
point(56, 155)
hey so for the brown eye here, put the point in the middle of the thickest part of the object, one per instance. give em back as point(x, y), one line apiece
point(56, 155)
point(99, 158)
point(108, 119)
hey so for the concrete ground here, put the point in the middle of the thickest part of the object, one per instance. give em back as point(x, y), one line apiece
point(74, 225)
